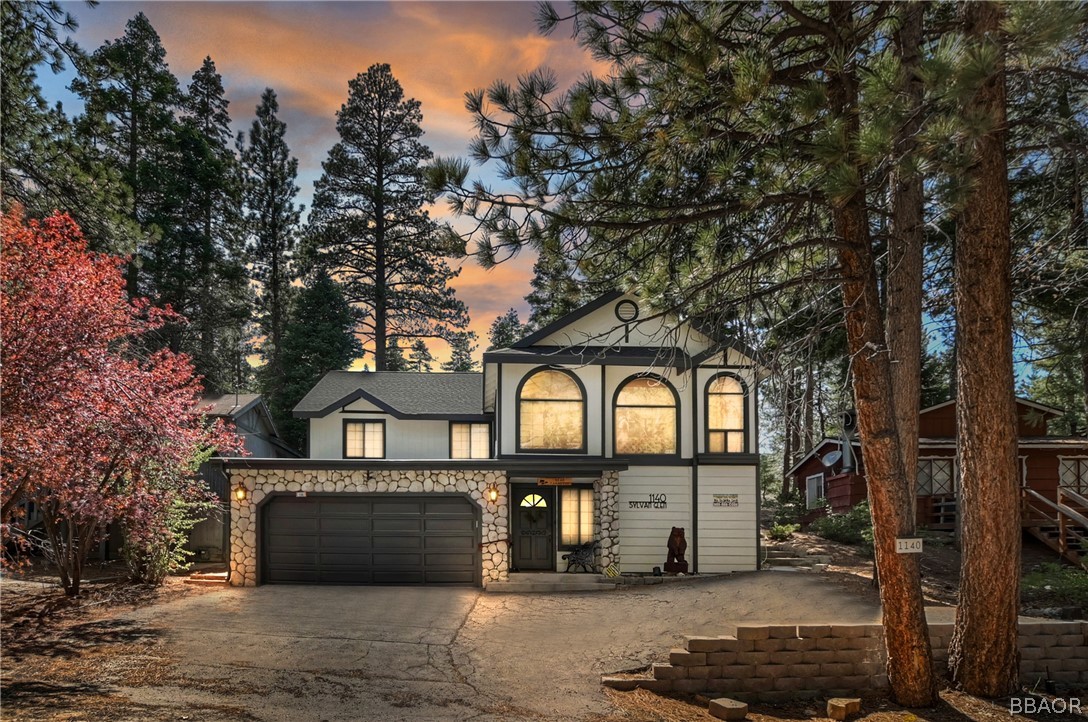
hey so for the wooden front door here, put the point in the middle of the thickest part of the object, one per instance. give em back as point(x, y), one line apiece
point(534, 525)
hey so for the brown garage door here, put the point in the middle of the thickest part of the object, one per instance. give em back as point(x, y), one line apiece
point(338, 539)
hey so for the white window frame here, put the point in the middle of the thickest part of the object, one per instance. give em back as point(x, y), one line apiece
point(821, 497)
point(473, 452)
point(1081, 465)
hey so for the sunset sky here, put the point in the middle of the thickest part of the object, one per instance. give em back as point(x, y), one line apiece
point(307, 52)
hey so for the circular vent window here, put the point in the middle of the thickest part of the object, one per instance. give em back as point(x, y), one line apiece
point(627, 311)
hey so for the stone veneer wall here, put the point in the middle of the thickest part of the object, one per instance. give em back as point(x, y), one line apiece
point(779, 663)
point(261, 482)
point(606, 526)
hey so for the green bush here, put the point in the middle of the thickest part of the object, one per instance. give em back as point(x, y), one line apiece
point(158, 549)
point(1055, 585)
point(853, 527)
point(782, 532)
point(791, 507)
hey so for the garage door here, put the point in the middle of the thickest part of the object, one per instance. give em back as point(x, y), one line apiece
point(370, 540)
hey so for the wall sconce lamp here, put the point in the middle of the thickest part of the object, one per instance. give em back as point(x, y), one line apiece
point(240, 492)
point(493, 493)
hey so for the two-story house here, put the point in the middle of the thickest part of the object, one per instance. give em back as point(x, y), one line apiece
point(613, 425)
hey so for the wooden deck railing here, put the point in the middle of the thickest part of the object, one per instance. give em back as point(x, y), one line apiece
point(1059, 525)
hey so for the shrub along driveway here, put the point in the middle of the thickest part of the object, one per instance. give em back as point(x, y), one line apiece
point(399, 653)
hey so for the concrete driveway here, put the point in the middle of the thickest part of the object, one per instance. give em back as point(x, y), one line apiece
point(399, 653)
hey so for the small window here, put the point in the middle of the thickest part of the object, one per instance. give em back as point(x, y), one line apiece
point(470, 441)
point(534, 500)
point(576, 525)
point(725, 416)
point(815, 494)
point(1073, 474)
point(364, 439)
point(936, 477)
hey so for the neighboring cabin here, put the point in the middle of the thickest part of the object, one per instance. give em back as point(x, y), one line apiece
point(251, 420)
point(1047, 464)
point(609, 425)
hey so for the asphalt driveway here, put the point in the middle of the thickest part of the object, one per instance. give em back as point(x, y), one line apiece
point(399, 653)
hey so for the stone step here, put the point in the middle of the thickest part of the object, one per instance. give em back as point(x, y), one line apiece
point(789, 562)
point(208, 582)
point(524, 587)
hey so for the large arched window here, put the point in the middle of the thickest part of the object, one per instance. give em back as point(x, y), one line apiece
point(551, 412)
point(645, 417)
point(726, 416)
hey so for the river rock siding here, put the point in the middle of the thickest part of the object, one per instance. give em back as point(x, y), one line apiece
point(261, 482)
point(607, 523)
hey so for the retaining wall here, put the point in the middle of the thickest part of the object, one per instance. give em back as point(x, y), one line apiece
point(777, 663)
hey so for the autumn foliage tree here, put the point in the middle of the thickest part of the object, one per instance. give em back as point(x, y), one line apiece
point(93, 433)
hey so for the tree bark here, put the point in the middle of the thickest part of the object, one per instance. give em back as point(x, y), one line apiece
point(983, 657)
point(903, 321)
point(906, 636)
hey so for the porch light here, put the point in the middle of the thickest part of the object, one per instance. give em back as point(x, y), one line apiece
point(493, 493)
point(240, 492)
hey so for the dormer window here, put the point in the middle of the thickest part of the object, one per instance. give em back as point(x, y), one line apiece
point(551, 412)
point(726, 415)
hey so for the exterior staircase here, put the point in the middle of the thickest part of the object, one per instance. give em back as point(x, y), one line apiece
point(783, 557)
point(552, 582)
point(1061, 525)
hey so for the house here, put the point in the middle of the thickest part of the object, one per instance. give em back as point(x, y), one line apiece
point(251, 420)
point(1053, 472)
point(612, 425)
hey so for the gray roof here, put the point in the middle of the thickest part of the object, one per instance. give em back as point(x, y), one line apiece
point(403, 394)
point(227, 405)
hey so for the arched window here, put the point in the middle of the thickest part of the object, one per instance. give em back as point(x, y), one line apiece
point(726, 416)
point(645, 417)
point(551, 412)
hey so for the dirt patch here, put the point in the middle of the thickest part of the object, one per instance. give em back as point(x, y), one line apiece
point(643, 706)
point(940, 563)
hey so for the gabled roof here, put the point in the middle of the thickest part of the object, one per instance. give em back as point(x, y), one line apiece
point(854, 442)
point(567, 320)
point(228, 406)
point(403, 394)
point(1043, 408)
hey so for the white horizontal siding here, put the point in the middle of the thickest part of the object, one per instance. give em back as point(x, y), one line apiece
point(404, 439)
point(644, 533)
point(727, 535)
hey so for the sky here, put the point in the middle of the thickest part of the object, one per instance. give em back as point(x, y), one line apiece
point(308, 51)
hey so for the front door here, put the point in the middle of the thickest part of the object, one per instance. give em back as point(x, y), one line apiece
point(534, 524)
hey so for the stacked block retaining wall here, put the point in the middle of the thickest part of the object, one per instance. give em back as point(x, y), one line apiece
point(777, 663)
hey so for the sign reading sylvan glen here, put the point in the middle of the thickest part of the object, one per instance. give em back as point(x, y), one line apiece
point(653, 501)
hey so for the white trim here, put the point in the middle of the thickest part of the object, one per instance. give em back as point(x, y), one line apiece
point(815, 449)
point(811, 503)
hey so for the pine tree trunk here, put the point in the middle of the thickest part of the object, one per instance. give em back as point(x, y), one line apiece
point(380, 290)
point(906, 636)
point(903, 320)
point(984, 657)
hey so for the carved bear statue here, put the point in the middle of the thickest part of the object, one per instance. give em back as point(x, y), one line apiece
point(678, 545)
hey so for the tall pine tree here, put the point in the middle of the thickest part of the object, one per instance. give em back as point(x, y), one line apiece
point(44, 164)
point(420, 358)
point(272, 224)
point(130, 97)
point(317, 339)
point(505, 330)
point(462, 345)
point(556, 289)
point(368, 226)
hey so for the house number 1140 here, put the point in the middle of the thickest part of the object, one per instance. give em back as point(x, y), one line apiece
point(908, 546)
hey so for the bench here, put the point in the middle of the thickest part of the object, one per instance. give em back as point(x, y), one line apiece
point(582, 555)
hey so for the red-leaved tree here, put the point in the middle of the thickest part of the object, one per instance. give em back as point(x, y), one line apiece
point(93, 430)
